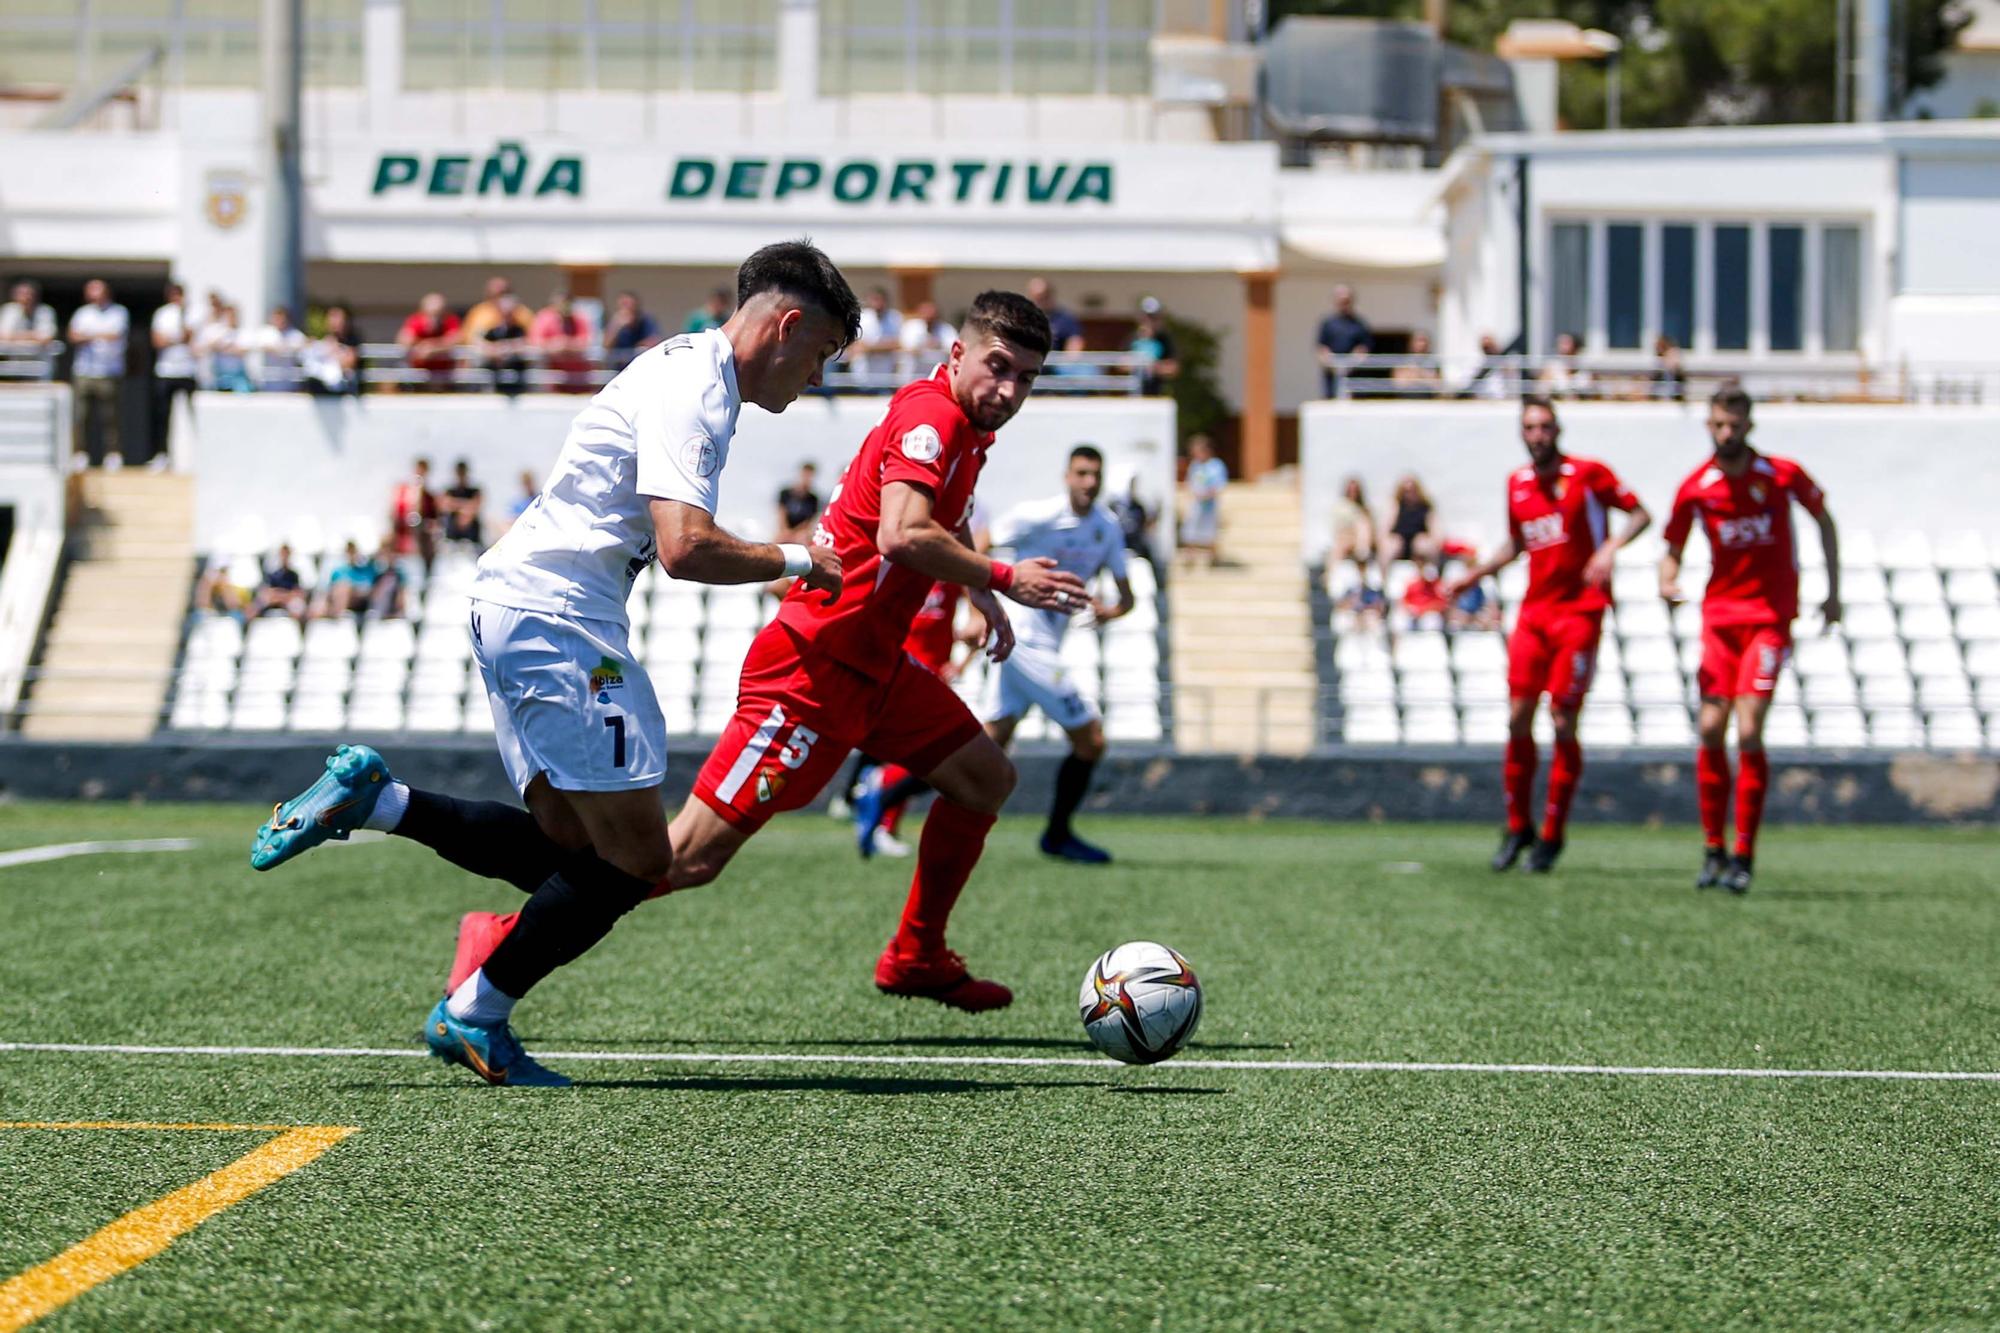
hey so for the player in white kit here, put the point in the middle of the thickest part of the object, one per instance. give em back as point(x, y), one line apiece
point(580, 733)
point(1084, 539)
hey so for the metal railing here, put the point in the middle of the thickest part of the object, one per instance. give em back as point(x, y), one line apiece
point(1640, 379)
point(29, 361)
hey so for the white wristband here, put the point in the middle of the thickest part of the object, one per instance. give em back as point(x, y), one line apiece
point(798, 560)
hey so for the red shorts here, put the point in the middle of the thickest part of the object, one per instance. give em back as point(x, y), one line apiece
point(799, 712)
point(1742, 659)
point(1554, 653)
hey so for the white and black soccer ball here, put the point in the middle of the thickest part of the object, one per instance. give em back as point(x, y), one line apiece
point(1140, 1002)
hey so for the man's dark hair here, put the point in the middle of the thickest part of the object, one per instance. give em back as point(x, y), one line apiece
point(1010, 316)
point(1732, 398)
point(1089, 452)
point(1540, 400)
point(799, 269)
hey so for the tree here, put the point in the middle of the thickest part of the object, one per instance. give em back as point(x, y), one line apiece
point(1696, 62)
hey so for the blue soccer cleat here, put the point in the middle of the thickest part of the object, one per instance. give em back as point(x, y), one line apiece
point(332, 807)
point(493, 1053)
point(1069, 847)
point(867, 811)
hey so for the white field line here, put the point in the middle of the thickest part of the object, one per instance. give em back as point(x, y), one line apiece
point(1032, 1062)
point(27, 856)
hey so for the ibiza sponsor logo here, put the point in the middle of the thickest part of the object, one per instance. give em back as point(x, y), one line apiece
point(1750, 530)
point(608, 675)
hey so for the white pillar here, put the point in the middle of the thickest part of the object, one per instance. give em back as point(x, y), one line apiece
point(798, 52)
point(382, 59)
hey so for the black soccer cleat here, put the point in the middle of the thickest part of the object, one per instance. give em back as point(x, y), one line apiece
point(1511, 846)
point(1737, 877)
point(1713, 864)
point(1542, 857)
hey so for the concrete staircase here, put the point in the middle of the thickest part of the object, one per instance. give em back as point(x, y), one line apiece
point(1243, 673)
point(108, 656)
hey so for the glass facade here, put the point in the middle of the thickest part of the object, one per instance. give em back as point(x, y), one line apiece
point(202, 43)
point(1018, 47)
point(1625, 290)
point(1732, 288)
point(1787, 274)
point(1677, 283)
point(626, 45)
point(1569, 281)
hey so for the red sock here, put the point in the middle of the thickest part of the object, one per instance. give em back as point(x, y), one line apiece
point(1754, 774)
point(1518, 775)
point(892, 818)
point(1711, 785)
point(1564, 771)
point(952, 841)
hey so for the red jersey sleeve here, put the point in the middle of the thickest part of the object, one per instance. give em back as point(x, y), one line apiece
point(1610, 491)
point(1514, 522)
point(1806, 491)
point(917, 450)
point(1681, 522)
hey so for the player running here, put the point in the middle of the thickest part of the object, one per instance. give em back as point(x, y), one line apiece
point(1744, 500)
point(579, 730)
point(828, 677)
point(1556, 513)
point(1083, 538)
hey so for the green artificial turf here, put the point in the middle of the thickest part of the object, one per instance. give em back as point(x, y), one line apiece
point(926, 1195)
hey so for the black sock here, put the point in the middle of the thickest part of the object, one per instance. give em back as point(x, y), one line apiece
point(902, 790)
point(1072, 782)
point(485, 837)
point(571, 911)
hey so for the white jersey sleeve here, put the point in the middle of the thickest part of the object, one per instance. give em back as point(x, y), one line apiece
point(679, 454)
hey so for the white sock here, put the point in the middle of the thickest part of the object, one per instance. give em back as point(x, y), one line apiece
point(479, 1002)
point(389, 808)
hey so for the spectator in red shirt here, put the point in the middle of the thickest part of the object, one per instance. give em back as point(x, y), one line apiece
point(427, 338)
point(413, 514)
point(563, 339)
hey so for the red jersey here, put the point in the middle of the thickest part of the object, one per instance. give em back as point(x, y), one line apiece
point(1560, 522)
point(925, 440)
point(1748, 519)
point(931, 633)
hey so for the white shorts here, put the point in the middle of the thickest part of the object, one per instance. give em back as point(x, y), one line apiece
point(1034, 677)
point(569, 700)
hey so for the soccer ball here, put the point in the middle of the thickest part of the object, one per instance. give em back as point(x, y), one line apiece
point(1140, 1003)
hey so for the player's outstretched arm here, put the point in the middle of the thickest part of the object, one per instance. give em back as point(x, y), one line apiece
point(692, 547)
point(1829, 542)
point(1503, 555)
point(912, 537)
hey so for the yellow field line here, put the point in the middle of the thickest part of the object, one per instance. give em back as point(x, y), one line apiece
point(144, 1232)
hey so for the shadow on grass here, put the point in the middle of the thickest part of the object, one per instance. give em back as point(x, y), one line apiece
point(1048, 1044)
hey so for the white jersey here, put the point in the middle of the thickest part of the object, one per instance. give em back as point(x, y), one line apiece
point(1080, 544)
point(660, 430)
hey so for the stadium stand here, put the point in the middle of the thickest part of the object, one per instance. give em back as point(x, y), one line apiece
point(1914, 664)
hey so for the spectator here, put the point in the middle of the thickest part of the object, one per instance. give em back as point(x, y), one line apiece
point(280, 588)
point(461, 504)
point(216, 591)
point(27, 321)
point(530, 490)
point(219, 348)
point(1410, 535)
point(1343, 342)
point(347, 587)
point(1669, 380)
point(1561, 376)
point(1494, 378)
point(1354, 534)
point(385, 600)
point(97, 369)
point(427, 338)
point(1136, 520)
point(1424, 602)
point(630, 331)
point(1206, 476)
point(1152, 342)
point(1365, 602)
point(413, 515)
point(562, 337)
point(874, 348)
point(275, 351)
point(503, 345)
point(925, 339)
point(710, 314)
point(332, 361)
point(1065, 329)
point(487, 313)
point(799, 506)
point(174, 330)
point(1417, 375)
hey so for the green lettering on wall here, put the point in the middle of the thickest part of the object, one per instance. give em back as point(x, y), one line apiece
point(1000, 179)
point(967, 173)
point(564, 176)
point(506, 169)
point(856, 182)
point(448, 175)
point(693, 178)
point(1040, 190)
point(1093, 182)
point(797, 173)
point(911, 180)
point(746, 178)
point(394, 170)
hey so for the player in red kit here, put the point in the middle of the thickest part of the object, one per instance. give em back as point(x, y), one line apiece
point(830, 674)
point(1744, 501)
point(1557, 512)
point(883, 790)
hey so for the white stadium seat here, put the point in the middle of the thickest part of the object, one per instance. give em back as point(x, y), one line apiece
point(1424, 687)
point(1977, 623)
point(1972, 587)
point(1370, 725)
point(1913, 587)
point(1906, 551)
point(1601, 725)
point(1785, 725)
point(1645, 618)
point(1430, 724)
point(1862, 584)
point(1665, 726)
point(1869, 620)
point(1838, 727)
point(1962, 550)
point(1878, 657)
point(1925, 621)
point(1895, 729)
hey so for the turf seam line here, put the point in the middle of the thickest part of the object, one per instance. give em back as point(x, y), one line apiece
point(1040, 1062)
point(27, 856)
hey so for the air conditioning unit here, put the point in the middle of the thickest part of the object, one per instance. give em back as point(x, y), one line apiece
point(1200, 71)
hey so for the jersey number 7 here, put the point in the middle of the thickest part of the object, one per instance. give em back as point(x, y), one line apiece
point(617, 725)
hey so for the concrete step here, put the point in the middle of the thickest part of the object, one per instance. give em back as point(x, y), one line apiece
point(160, 547)
point(109, 635)
point(73, 654)
point(98, 726)
point(135, 484)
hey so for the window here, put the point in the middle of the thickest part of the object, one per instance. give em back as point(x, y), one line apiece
point(1840, 289)
point(1051, 47)
point(1732, 288)
point(1625, 293)
point(637, 45)
point(210, 43)
point(1569, 280)
point(1787, 249)
point(1677, 283)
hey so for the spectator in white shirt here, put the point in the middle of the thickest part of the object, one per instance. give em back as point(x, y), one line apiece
point(331, 362)
point(925, 339)
point(26, 320)
point(219, 348)
point(174, 328)
point(874, 349)
point(97, 370)
point(275, 351)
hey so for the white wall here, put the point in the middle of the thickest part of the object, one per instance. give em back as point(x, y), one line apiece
point(1886, 470)
point(287, 463)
